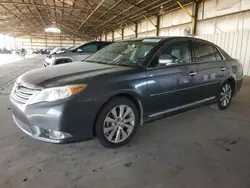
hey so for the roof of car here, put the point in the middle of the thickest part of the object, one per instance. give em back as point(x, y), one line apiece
point(99, 42)
point(160, 37)
point(166, 37)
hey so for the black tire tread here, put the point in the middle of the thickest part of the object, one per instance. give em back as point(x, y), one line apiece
point(220, 106)
point(101, 116)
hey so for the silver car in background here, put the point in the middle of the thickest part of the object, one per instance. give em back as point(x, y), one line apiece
point(78, 53)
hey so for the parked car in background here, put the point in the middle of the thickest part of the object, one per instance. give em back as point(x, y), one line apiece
point(59, 50)
point(41, 51)
point(5, 51)
point(122, 86)
point(78, 53)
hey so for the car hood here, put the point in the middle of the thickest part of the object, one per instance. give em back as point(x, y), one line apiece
point(71, 54)
point(66, 74)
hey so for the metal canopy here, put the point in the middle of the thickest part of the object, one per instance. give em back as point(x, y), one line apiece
point(84, 19)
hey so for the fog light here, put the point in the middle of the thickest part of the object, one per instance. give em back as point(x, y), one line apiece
point(58, 134)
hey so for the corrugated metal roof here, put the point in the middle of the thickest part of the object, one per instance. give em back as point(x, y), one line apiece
point(79, 18)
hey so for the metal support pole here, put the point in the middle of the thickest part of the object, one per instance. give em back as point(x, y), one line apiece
point(136, 30)
point(122, 33)
point(45, 40)
point(149, 21)
point(106, 36)
point(31, 43)
point(60, 40)
point(113, 36)
point(196, 9)
point(158, 25)
point(129, 27)
point(190, 15)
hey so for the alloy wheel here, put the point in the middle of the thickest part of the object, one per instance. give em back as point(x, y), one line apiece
point(226, 95)
point(119, 124)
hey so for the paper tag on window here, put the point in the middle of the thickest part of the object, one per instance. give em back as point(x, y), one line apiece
point(151, 40)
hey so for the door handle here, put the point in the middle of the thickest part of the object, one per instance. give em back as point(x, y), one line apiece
point(222, 68)
point(192, 73)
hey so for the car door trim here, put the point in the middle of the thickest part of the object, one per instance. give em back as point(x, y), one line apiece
point(181, 107)
point(163, 93)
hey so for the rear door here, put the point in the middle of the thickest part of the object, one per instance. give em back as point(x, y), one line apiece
point(171, 85)
point(211, 69)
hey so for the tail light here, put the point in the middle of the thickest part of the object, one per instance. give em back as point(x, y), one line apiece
point(242, 66)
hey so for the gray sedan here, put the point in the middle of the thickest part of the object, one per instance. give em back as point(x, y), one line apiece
point(122, 86)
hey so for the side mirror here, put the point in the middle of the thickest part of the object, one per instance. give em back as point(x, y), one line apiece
point(79, 50)
point(166, 59)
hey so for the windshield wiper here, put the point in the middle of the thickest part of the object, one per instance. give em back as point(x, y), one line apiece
point(92, 61)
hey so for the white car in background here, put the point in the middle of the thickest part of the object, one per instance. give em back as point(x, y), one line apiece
point(78, 53)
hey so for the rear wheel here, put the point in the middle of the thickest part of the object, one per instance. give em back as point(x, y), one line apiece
point(225, 96)
point(117, 122)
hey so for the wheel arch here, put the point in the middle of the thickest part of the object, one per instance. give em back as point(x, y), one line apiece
point(233, 82)
point(134, 97)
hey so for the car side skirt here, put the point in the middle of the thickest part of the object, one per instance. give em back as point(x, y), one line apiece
point(182, 107)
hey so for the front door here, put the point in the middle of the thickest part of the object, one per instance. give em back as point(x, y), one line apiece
point(170, 85)
point(210, 68)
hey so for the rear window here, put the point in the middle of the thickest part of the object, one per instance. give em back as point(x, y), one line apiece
point(206, 52)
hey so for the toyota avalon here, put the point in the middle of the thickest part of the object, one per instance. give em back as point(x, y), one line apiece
point(122, 86)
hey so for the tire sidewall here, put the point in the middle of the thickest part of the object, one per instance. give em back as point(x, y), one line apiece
point(102, 115)
point(220, 106)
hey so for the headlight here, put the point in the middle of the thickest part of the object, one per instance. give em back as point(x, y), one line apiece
point(50, 59)
point(56, 93)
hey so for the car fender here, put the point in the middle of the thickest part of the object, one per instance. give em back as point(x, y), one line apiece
point(131, 94)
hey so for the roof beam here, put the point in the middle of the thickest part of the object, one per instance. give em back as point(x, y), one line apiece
point(139, 13)
point(89, 16)
point(52, 7)
point(38, 11)
point(132, 6)
point(117, 3)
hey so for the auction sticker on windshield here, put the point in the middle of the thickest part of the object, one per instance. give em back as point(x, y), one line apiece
point(151, 40)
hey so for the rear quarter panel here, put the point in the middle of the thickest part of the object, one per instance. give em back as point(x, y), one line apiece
point(235, 71)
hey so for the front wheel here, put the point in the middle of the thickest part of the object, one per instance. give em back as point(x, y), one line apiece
point(117, 122)
point(225, 96)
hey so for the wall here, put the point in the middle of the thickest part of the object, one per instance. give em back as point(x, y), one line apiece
point(129, 31)
point(7, 42)
point(224, 22)
point(175, 23)
point(227, 24)
point(235, 44)
point(118, 34)
point(223, 16)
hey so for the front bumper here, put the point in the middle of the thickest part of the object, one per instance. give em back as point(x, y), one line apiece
point(70, 117)
point(35, 132)
point(48, 62)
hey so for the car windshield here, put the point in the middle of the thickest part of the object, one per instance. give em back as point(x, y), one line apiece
point(127, 53)
point(53, 51)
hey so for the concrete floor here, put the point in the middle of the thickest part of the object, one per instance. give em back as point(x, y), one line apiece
point(8, 58)
point(201, 148)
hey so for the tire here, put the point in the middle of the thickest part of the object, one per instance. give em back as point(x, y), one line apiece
point(225, 95)
point(107, 126)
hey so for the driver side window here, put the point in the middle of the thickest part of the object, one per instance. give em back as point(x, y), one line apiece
point(175, 53)
point(88, 48)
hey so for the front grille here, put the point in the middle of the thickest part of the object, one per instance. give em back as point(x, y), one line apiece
point(22, 94)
